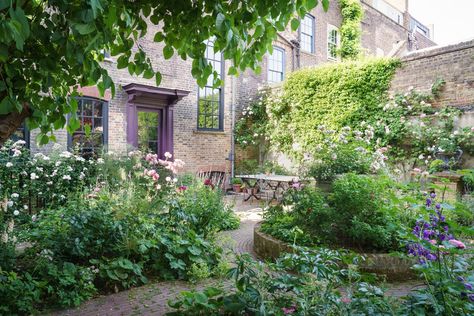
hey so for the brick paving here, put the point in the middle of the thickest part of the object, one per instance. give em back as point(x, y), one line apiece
point(151, 299)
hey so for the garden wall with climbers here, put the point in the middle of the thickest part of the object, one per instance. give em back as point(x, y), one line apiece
point(436, 83)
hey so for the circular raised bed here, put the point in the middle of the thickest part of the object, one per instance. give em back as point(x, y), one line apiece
point(392, 267)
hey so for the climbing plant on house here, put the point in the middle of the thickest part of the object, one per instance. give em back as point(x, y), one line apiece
point(335, 95)
point(351, 31)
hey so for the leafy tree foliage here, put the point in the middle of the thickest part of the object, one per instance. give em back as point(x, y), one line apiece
point(49, 48)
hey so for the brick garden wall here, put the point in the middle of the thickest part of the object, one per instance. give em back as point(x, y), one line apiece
point(453, 63)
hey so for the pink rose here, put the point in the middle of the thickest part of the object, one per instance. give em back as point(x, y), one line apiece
point(458, 244)
point(433, 242)
point(288, 310)
point(151, 172)
point(156, 176)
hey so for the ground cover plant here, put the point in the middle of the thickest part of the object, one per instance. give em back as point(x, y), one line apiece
point(101, 225)
point(307, 282)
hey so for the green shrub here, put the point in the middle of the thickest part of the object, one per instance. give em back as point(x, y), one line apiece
point(302, 217)
point(66, 284)
point(119, 273)
point(18, 295)
point(362, 214)
point(203, 209)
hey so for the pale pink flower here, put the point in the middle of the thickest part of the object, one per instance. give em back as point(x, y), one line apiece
point(168, 155)
point(433, 242)
point(346, 300)
point(458, 244)
point(417, 170)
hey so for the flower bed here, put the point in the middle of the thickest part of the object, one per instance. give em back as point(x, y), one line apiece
point(393, 268)
point(101, 225)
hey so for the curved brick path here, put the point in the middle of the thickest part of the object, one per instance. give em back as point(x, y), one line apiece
point(151, 299)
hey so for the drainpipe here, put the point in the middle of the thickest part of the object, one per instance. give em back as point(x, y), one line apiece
point(232, 125)
point(295, 46)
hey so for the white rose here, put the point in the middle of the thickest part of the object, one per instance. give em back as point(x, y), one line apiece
point(33, 176)
point(175, 180)
point(16, 213)
point(168, 179)
point(15, 195)
point(9, 165)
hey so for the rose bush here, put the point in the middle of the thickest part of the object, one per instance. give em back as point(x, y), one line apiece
point(100, 225)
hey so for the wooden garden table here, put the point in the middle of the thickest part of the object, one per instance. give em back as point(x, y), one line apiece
point(274, 182)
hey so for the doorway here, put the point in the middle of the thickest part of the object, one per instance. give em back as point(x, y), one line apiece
point(149, 127)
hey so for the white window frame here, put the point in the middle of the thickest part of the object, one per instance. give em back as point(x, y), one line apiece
point(331, 28)
point(274, 70)
point(311, 36)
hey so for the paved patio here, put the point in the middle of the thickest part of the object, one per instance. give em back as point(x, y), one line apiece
point(151, 299)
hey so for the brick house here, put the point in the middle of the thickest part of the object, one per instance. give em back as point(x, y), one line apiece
point(195, 124)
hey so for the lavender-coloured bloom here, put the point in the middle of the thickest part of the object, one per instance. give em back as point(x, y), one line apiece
point(428, 202)
point(427, 234)
point(471, 297)
point(438, 206)
point(460, 278)
point(468, 286)
point(433, 195)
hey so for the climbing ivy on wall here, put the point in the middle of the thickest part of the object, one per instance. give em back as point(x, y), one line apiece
point(335, 95)
point(352, 13)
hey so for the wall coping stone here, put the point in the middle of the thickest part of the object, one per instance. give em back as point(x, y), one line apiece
point(438, 50)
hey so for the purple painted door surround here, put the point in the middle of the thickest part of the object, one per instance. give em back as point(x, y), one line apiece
point(143, 97)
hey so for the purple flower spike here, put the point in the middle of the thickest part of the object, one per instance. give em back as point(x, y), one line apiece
point(468, 286)
point(428, 202)
point(438, 206)
point(433, 195)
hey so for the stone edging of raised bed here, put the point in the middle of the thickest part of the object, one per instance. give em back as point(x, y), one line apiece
point(392, 267)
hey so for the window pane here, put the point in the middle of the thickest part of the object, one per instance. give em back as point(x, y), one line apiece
point(209, 103)
point(307, 33)
point(90, 114)
point(276, 65)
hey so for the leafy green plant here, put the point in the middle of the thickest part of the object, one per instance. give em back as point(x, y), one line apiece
point(66, 284)
point(351, 31)
point(334, 95)
point(204, 210)
point(276, 289)
point(119, 273)
point(362, 214)
point(198, 271)
point(18, 295)
point(236, 181)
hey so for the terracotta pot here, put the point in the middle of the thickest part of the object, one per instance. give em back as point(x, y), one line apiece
point(237, 188)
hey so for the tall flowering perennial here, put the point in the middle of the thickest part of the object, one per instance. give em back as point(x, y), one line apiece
point(435, 232)
point(448, 274)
